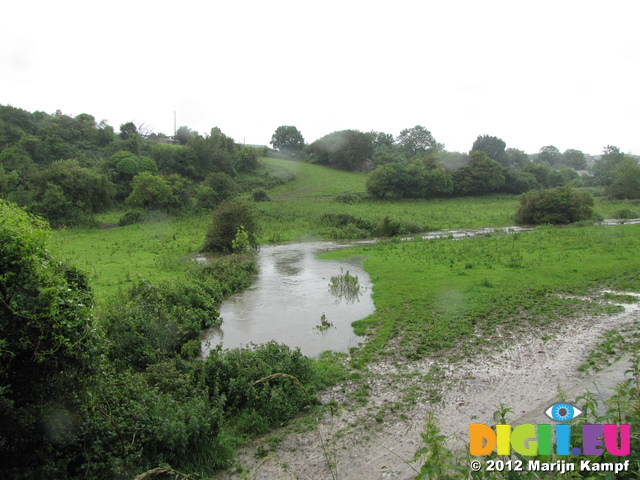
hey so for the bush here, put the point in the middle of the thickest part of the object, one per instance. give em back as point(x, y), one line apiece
point(231, 217)
point(152, 322)
point(46, 348)
point(235, 375)
point(260, 195)
point(130, 218)
point(560, 205)
point(624, 213)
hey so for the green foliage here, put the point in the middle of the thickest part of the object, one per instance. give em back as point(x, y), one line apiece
point(228, 218)
point(494, 147)
point(235, 374)
point(480, 176)
point(603, 169)
point(418, 141)
point(575, 159)
point(288, 139)
point(260, 195)
point(150, 191)
point(559, 205)
point(213, 153)
point(46, 344)
point(626, 182)
point(130, 218)
point(344, 150)
point(549, 155)
point(150, 323)
point(247, 160)
point(390, 181)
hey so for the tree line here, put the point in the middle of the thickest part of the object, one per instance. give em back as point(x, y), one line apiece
point(416, 165)
point(68, 168)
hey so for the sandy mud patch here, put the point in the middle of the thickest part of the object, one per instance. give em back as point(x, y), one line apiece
point(374, 430)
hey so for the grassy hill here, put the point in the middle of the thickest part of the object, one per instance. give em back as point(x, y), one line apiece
point(315, 180)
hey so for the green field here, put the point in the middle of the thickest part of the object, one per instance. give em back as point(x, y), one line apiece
point(299, 210)
point(432, 295)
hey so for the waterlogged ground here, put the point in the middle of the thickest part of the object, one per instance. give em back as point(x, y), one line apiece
point(374, 434)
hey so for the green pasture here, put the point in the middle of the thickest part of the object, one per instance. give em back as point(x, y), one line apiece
point(435, 295)
point(314, 180)
point(114, 257)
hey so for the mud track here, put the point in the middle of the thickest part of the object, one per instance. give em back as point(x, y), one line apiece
point(378, 440)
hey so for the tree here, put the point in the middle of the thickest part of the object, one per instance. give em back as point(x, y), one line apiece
point(234, 227)
point(560, 205)
point(288, 139)
point(494, 147)
point(345, 150)
point(46, 345)
point(479, 177)
point(150, 191)
point(127, 130)
point(603, 168)
point(575, 159)
point(626, 183)
point(391, 180)
point(517, 158)
point(549, 154)
point(183, 134)
point(418, 141)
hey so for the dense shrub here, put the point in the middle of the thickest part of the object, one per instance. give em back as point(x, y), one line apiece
point(131, 218)
point(235, 374)
point(231, 218)
point(260, 195)
point(560, 205)
point(46, 349)
point(149, 323)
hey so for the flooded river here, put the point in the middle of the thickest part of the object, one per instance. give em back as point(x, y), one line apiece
point(289, 297)
point(291, 294)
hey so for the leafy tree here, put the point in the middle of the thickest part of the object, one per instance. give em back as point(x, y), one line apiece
point(391, 180)
point(222, 185)
point(517, 158)
point(232, 217)
point(345, 150)
point(626, 183)
point(480, 176)
point(418, 141)
point(603, 168)
point(128, 130)
point(288, 139)
point(67, 192)
point(213, 153)
point(494, 147)
point(183, 134)
point(46, 346)
point(518, 181)
point(151, 191)
point(560, 205)
point(550, 155)
point(247, 160)
point(575, 159)
point(541, 172)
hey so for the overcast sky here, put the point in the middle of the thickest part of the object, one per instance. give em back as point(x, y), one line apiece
point(534, 73)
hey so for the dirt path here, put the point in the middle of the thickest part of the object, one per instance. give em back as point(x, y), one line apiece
point(376, 440)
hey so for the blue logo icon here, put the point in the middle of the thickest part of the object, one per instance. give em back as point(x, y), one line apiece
point(562, 412)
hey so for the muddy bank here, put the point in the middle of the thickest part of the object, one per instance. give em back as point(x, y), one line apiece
point(376, 440)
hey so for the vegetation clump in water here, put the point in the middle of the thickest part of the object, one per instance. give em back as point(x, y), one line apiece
point(345, 286)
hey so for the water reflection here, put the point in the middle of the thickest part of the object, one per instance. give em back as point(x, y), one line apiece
point(288, 299)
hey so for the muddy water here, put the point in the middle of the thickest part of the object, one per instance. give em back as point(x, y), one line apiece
point(289, 297)
point(291, 293)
